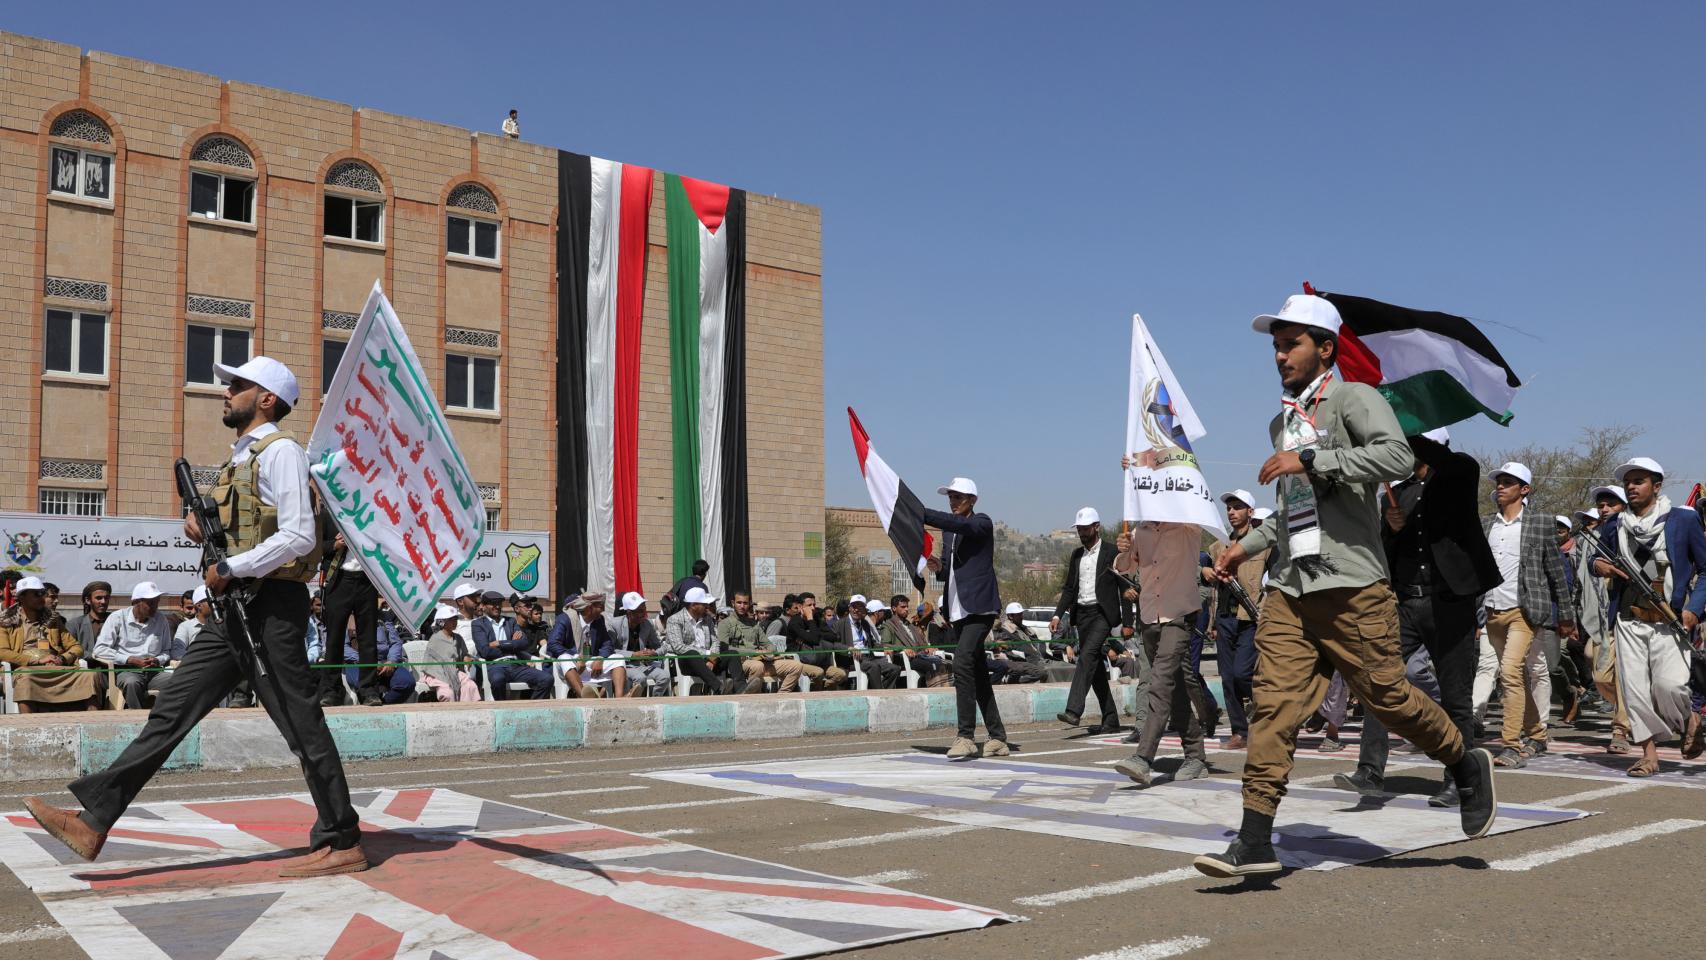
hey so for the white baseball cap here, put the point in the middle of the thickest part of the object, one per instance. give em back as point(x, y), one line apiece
point(267, 373)
point(959, 485)
point(1639, 463)
point(875, 606)
point(29, 583)
point(1516, 470)
point(1015, 607)
point(146, 590)
point(1438, 435)
point(443, 612)
point(1086, 517)
point(698, 595)
point(1242, 496)
point(1306, 309)
point(856, 598)
point(1563, 521)
point(1261, 513)
point(632, 601)
point(465, 589)
point(1617, 492)
point(200, 594)
point(1589, 515)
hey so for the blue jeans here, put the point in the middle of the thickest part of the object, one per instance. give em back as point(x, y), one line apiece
point(393, 689)
point(1235, 651)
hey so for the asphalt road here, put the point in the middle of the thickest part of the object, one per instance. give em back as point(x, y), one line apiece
point(1615, 885)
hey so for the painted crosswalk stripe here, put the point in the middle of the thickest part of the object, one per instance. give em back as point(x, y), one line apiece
point(1591, 844)
point(1615, 790)
point(889, 876)
point(866, 841)
point(1108, 889)
point(573, 793)
point(1159, 950)
point(1027, 754)
point(677, 832)
point(683, 805)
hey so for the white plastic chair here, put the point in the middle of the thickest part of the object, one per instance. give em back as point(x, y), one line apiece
point(861, 680)
point(8, 704)
point(907, 673)
point(805, 681)
point(414, 652)
point(681, 683)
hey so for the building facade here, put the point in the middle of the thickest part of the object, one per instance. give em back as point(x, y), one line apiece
point(158, 220)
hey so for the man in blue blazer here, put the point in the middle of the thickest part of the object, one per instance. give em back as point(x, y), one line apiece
point(971, 600)
point(1667, 547)
point(506, 652)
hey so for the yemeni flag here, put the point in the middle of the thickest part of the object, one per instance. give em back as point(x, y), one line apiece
point(603, 214)
point(707, 376)
point(1434, 368)
point(898, 508)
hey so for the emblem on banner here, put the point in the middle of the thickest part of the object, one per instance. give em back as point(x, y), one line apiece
point(23, 549)
point(1162, 428)
point(523, 566)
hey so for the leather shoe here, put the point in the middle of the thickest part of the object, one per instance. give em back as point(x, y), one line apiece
point(372, 700)
point(1104, 727)
point(1239, 860)
point(1236, 742)
point(326, 862)
point(67, 827)
point(1070, 719)
point(1361, 783)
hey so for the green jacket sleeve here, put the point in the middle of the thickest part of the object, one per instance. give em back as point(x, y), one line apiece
point(1375, 449)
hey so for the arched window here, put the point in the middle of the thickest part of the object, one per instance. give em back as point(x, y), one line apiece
point(355, 203)
point(219, 189)
point(81, 164)
point(469, 235)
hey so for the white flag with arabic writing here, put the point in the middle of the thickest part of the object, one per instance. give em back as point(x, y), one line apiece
point(1164, 482)
point(389, 470)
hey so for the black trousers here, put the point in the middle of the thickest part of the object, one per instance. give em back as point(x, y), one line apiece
point(1445, 624)
point(353, 594)
point(1091, 672)
point(696, 666)
point(973, 690)
point(881, 672)
point(278, 619)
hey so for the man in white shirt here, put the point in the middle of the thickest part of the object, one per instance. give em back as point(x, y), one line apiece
point(138, 644)
point(512, 126)
point(192, 628)
point(263, 497)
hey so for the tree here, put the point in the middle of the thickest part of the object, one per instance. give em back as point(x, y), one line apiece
point(1564, 477)
point(844, 575)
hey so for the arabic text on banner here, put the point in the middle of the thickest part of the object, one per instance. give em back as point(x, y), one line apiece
point(389, 470)
point(1164, 482)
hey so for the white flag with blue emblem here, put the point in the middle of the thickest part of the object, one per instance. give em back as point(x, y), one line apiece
point(1163, 482)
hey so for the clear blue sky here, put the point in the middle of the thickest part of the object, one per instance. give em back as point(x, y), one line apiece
point(1003, 185)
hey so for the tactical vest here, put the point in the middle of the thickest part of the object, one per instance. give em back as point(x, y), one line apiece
point(248, 521)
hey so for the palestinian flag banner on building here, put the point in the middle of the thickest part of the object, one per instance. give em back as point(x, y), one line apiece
point(604, 210)
point(1434, 368)
point(707, 377)
point(898, 508)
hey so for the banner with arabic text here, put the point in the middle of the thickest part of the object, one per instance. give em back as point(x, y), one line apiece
point(1164, 482)
point(389, 470)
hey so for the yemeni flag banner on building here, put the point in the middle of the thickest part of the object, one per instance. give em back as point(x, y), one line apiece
point(898, 508)
point(389, 470)
point(603, 216)
point(1434, 368)
point(707, 375)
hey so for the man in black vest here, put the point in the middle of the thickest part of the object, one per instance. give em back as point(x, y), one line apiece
point(971, 601)
point(1440, 564)
point(1091, 594)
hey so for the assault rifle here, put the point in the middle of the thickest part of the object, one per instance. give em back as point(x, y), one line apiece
point(1649, 598)
point(1243, 597)
point(227, 607)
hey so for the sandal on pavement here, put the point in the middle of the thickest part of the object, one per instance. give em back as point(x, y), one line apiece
point(1618, 745)
point(1510, 757)
point(1693, 737)
point(1643, 768)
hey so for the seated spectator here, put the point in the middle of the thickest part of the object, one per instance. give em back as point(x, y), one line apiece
point(34, 641)
point(506, 653)
point(901, 634)
point(201, 612)
point(1122, 663)
point(810, 640)
point(690, 636)
point(637, 648)
point(1016, 644)
point(396, 682)
point(858, 634)
point(586, 665)
point(743, 637)
point(137, 644)
point(447, 660)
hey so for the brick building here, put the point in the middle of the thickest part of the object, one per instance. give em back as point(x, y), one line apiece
point(156, 219)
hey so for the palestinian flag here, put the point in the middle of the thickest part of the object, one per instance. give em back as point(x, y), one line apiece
point(707, 378)
point(1434, 368)
point(898, 508)
point(603, 214)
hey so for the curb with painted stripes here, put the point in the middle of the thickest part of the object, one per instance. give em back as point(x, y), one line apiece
point(247, 740)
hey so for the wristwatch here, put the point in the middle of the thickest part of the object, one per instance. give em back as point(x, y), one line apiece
point(223, 569)
point(1307, 455)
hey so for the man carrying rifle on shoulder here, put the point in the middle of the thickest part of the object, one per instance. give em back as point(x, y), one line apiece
point(261, 593)
point(1652, 552)
point(1233, 627)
